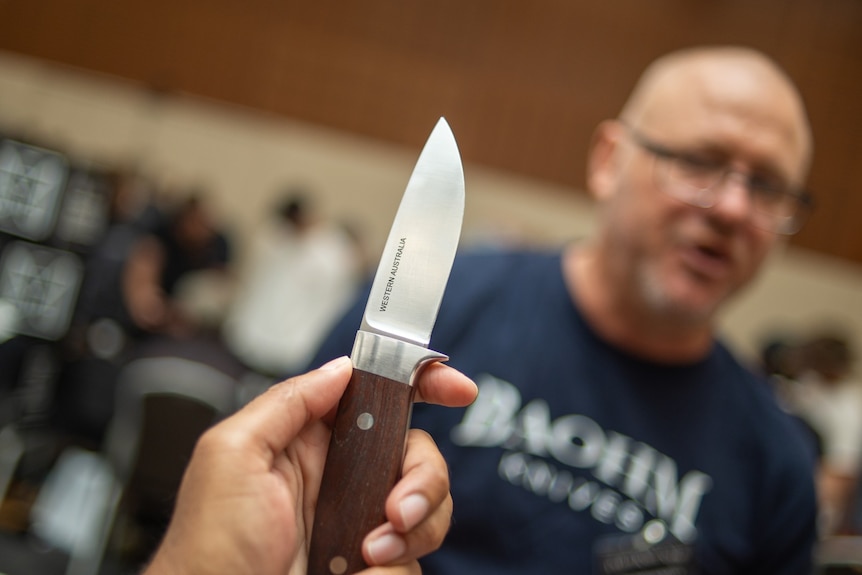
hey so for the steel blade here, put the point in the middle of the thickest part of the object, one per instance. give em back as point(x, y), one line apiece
point(417, 258)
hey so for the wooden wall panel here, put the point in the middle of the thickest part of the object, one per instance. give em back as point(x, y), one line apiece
point(522, 83)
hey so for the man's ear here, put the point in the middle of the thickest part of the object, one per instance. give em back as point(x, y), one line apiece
point(603, 160)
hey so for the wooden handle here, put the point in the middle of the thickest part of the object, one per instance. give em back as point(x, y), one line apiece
point(364, 461)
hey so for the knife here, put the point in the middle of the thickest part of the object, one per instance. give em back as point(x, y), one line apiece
point(366, 449)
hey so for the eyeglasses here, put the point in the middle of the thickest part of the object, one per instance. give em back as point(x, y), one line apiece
point(697, 180)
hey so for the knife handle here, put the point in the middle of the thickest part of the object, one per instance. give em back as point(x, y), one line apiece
point(363, 463)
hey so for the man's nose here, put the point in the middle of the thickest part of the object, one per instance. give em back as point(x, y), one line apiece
point(734, 197)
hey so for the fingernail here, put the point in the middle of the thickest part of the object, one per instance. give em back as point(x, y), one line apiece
point(413, 510)
point(335, 364)
point(386, 548)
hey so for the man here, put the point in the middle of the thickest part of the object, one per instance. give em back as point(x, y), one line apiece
point(613, 431)
point(247, 501)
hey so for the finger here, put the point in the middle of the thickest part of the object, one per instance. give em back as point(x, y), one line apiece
point(438, 383)
point(386, 546)
point(277, 416)
point(424, 483)
point(419, 508)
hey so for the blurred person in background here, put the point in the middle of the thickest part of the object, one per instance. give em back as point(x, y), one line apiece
point(188, 241)
point(134, 214)
point(614, 430)
point(303, 273)
point(134, 301)
point(103, 328)
point(828, 397)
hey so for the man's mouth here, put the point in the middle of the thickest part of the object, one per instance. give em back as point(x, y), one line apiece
point(708, 261)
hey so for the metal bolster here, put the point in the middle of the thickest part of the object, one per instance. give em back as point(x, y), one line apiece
point(389, 357)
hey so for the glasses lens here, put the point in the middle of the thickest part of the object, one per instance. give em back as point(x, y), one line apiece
point(778, 208)
point(778, 204)
point(792, 215)
point(688, 180)
point(695, 183)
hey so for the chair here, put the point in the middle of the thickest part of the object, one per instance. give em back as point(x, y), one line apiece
point(163, 405)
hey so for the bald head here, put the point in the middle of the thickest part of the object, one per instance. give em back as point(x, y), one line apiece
point(688, 86)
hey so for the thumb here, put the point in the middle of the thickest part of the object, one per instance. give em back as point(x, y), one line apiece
point(277, 416)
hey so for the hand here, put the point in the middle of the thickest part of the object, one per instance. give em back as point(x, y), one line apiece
point(246, 504)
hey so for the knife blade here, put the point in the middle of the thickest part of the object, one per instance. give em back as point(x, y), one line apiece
point(366, 448)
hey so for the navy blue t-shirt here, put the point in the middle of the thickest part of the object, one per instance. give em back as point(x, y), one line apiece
point(571, 440)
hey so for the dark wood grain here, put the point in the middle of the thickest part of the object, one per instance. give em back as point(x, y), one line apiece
point(362, 465)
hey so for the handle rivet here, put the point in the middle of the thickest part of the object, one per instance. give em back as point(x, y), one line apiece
point(337, 565)
point(365, 421)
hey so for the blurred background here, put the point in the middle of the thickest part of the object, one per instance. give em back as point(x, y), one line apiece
point(162, 163)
